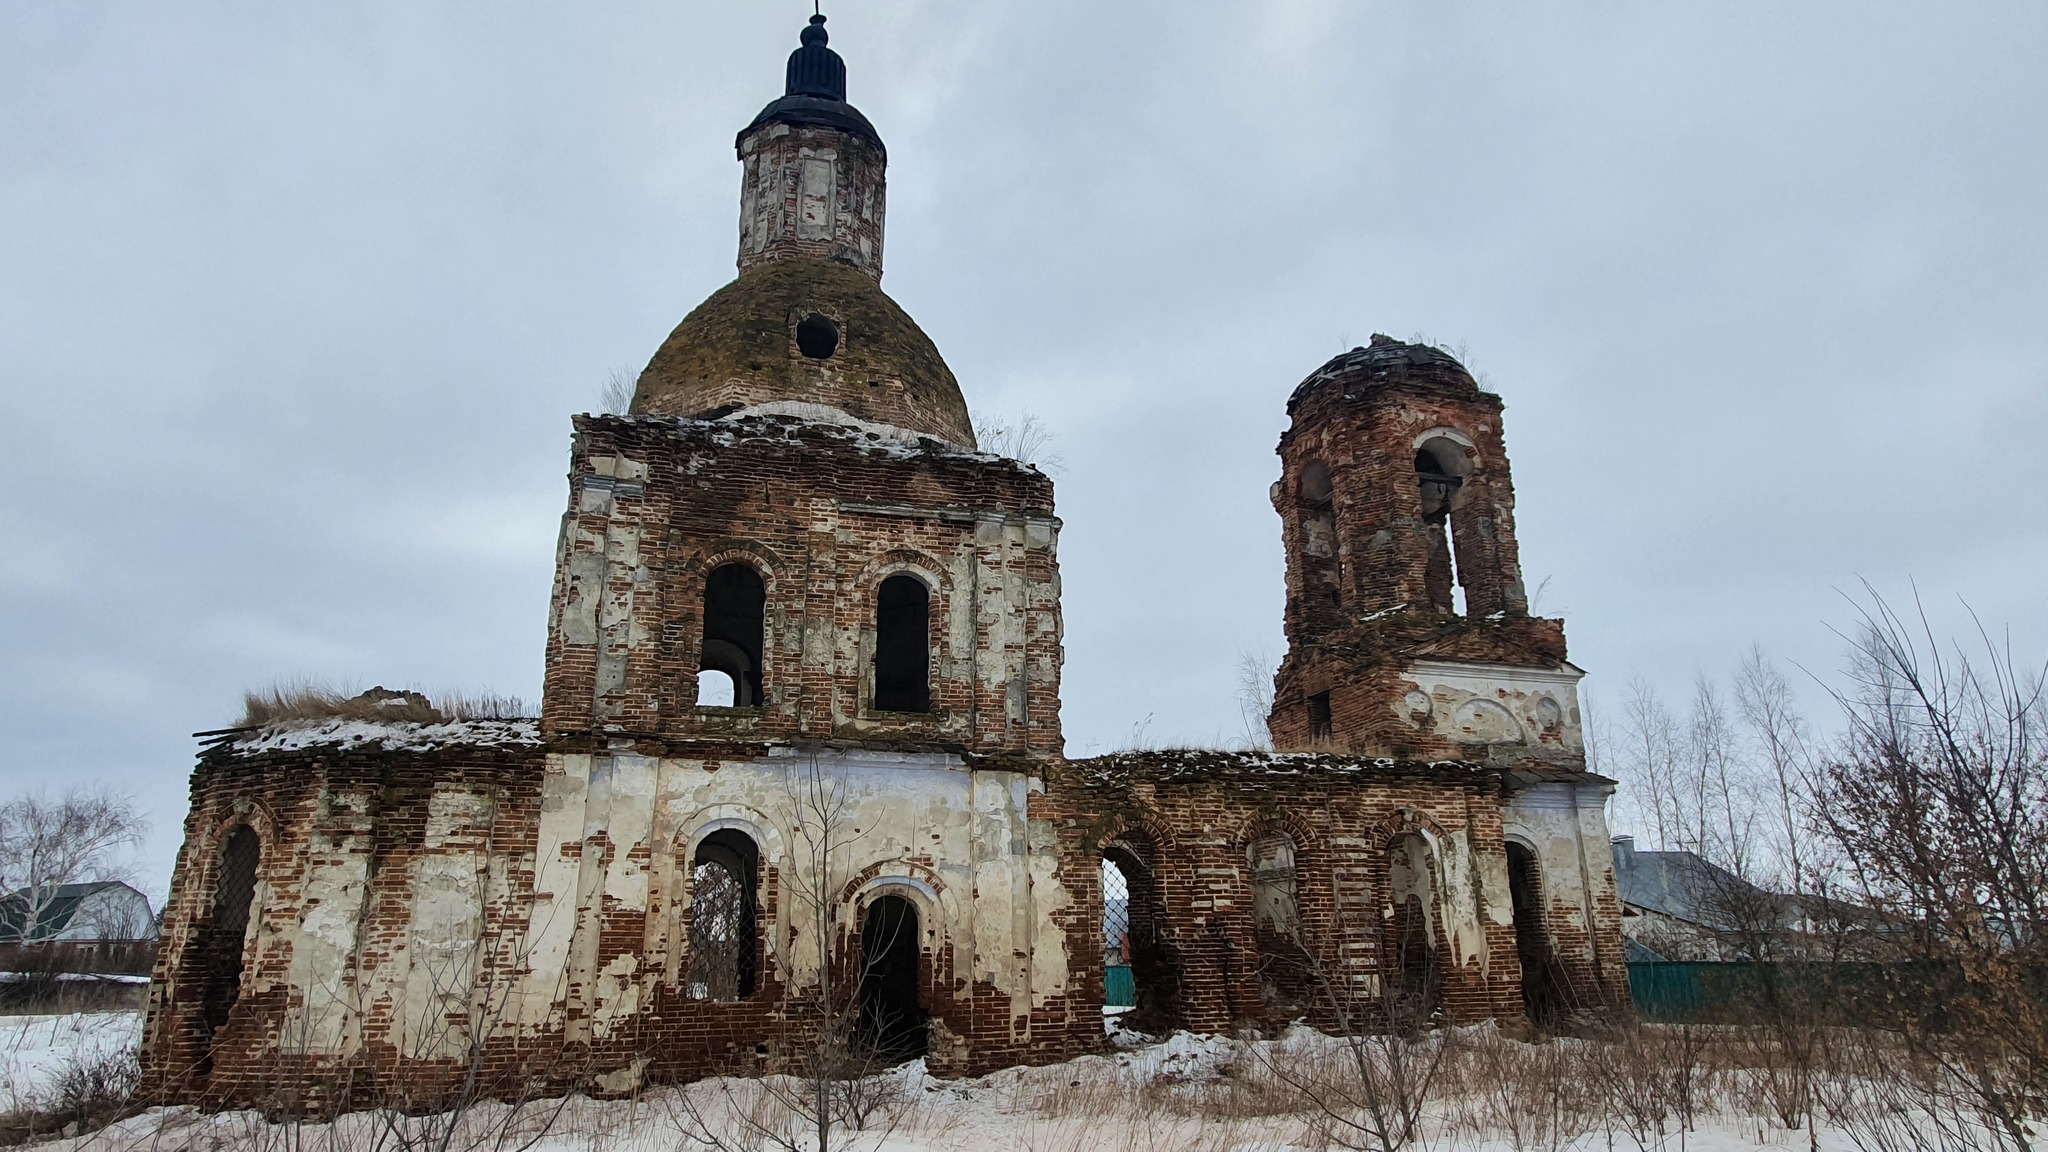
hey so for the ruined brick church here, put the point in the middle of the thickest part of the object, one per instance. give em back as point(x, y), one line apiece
point(799, 765)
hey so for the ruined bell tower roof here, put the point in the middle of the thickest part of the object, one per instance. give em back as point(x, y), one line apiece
point(1389, 362)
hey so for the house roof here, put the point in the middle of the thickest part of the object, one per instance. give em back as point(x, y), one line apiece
point(51, 914)
point(1678, 884)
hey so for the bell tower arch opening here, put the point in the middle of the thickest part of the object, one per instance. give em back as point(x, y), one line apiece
point(1441, 466)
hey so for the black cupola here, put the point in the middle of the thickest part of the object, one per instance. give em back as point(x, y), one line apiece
point(814, 90)
point(814, 69)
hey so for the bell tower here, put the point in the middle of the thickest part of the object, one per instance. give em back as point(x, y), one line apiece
point(1408, 628)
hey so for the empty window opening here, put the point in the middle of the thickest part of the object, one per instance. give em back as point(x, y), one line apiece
point(1144, 943)
point(1542, 978)
point(1440, 469)
point(892, 1021)
point(225, 940)
point(817, 337)
point(735, 622)
point(1117, 990)
point(903, 645)
point(1321, 727)
point(1410, 973)
point(1316, 488)
point(1285, 978)
point(724, 917)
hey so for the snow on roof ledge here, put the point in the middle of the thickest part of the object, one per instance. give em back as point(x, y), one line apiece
point(396, 736)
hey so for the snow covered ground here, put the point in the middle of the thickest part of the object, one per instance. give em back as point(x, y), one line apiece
point(1185, 1094)
point(33, 1049)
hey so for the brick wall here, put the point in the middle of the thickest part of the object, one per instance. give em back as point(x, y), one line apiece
point(824, 514)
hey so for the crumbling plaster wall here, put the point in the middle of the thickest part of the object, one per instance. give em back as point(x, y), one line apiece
point(1565, 825)
point(812, 191)
point(657, 503)
point(422, 906)
point(1512, 711)
point(956, 840)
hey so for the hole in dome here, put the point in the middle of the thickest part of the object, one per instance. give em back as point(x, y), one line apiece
point(817, 337)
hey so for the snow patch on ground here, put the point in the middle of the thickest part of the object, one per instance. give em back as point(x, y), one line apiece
point(1148, 1096)
point(34, 1049)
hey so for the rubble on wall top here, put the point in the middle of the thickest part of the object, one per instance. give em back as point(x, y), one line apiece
point(1192, 764)
point(791, 422)
point(393, 736)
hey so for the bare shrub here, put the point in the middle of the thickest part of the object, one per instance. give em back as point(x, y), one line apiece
point(1024, 439)
point(1538, 1096)
point(1936, 804)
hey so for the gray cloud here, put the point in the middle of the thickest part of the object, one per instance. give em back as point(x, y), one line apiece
point(294, 306)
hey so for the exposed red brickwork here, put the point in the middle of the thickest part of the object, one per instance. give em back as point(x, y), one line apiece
point(1367, 590)
point(1201, 810)
point(824, 514)
point(812, 191)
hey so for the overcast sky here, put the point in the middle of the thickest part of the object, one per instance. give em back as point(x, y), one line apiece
point(296, 302)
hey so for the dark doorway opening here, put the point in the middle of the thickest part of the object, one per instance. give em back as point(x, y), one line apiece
point(724, 951)
point(735, 614)
point(903, 645)
point(892, 1021)
point(1542, 990)
point(226, 936)
point(1147, 949)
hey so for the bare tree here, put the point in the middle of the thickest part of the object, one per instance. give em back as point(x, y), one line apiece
point(1936, 804)
point(79, 837)
point(1255, 696)
point(835, 1038)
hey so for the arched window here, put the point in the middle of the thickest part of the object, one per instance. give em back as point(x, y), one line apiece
point(892, 1019)
point(1441, 466)
point(735, 609)
point(1409, 972)
point(1276, 922)
point(903, 645)
point(227, 930)
point(724, 877)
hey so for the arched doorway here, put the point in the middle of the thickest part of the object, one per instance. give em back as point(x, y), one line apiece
point(1146, 946)
point(1542, 993)
point(892, 1021)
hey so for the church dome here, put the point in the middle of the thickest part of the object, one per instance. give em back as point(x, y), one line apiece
point(810, 332)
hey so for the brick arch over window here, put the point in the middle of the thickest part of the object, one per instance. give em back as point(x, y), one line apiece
point(1148, 945)
point(1276, 852)
point(899, 591)
point(731, 586)
point(697, 828)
